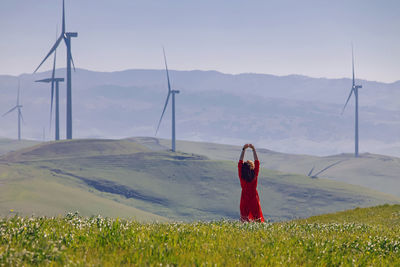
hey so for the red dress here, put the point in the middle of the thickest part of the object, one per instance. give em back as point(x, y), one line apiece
point(250, 208)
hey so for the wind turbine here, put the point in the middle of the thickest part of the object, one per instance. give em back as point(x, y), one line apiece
point(170, 92)
point(354, 89)
point(17, 107)
point(53, 81)
point(66, 36)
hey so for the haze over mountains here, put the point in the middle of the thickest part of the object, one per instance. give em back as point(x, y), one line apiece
point(294, 114)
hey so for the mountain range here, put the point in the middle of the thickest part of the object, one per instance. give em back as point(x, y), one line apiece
point(292, 114)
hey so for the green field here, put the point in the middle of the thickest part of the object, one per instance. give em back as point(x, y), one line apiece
point(360, 237)
point(138, 179)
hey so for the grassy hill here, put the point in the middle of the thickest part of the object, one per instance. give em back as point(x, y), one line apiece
point(360, 237)
point(138, 178)
point(377, 172)
point(28, 187)
point(7, 145)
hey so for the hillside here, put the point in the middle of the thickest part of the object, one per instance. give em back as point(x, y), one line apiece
point(385, 216)
point(136, 178)
point(7, 145)
point(377, 172)
point(360, 237)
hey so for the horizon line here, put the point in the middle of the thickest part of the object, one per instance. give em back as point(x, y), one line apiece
point(211, 70)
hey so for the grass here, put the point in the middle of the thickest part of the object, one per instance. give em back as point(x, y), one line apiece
point(360, 237)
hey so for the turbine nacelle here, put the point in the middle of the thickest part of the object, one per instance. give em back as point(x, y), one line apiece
point(71, 34)
point(49, 80)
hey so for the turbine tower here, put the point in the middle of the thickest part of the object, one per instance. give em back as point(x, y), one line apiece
point(67, 39)
point(17, 107)
point(354, 89)
point(170, 92)
point(55, 81)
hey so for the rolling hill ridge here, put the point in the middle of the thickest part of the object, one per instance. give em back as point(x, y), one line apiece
point(377, 172)
point(140, 178)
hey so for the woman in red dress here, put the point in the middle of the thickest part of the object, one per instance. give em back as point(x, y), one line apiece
point(250, 208)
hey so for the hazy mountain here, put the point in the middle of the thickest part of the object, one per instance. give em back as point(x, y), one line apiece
point(295, 114)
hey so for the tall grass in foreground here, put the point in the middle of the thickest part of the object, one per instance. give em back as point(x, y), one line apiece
point(359, 237)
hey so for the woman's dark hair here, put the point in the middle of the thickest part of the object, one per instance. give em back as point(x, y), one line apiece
point(247, 172)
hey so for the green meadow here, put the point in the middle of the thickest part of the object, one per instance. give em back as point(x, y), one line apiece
point(359, 237)
point(133, 202)
point(139, 179)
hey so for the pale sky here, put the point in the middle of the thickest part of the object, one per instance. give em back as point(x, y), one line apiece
point(282, 37)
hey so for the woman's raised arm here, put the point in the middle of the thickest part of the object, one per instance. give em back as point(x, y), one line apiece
point(254, 152)
point(243, 150)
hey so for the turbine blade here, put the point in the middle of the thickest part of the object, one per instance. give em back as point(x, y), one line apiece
point(73, 64)
point(44, 80)
point(51, 104)
point(351, 92)
point(352, 63)
point(53, 74)
point(166, 68)
point(309, 174)
point(11, 110)
point(63, 19)
point(52, 86)
point(18, 92)
point(162, 114)
point(327, 167)
point(22, 117)
point(71, 58)
point(51, 51)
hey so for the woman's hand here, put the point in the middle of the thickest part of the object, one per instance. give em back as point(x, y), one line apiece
point(251, 146)
point(246, 146)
